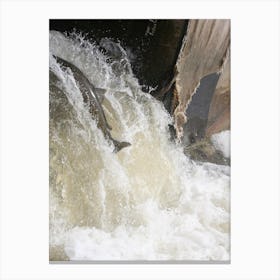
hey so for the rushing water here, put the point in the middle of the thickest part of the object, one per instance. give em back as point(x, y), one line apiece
point(146, 202)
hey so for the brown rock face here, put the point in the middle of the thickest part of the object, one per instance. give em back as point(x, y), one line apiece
point(205, 50)
point(219, 113)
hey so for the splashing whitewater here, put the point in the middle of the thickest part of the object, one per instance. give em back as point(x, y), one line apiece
point(147, 202)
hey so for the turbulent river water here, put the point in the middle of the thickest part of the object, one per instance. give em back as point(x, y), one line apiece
point(147, 202)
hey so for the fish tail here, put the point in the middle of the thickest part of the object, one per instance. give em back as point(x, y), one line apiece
point(119, 145)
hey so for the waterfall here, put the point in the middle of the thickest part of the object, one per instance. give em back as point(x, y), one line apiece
point(147, 202)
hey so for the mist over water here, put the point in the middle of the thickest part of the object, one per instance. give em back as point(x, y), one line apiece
point(148, 201)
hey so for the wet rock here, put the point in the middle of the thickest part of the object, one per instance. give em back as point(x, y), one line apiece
point(219, 112)
point(205, 151)
point(205, 50)
point(197, 112)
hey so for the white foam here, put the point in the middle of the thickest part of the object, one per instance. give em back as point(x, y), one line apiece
point(221, 142)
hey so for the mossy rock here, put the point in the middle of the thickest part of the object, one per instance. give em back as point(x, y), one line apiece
point(205, 151)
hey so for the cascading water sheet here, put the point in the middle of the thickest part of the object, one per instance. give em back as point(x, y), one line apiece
point(147, 202)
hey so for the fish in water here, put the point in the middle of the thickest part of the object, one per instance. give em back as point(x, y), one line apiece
point(91, 96)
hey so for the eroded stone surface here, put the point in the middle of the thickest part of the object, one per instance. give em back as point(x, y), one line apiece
point(205, 51)
point(205, 151)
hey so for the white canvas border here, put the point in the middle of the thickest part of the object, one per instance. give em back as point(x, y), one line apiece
point(254, 138)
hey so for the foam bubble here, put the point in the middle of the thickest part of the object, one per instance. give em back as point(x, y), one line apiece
point(221, 142)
